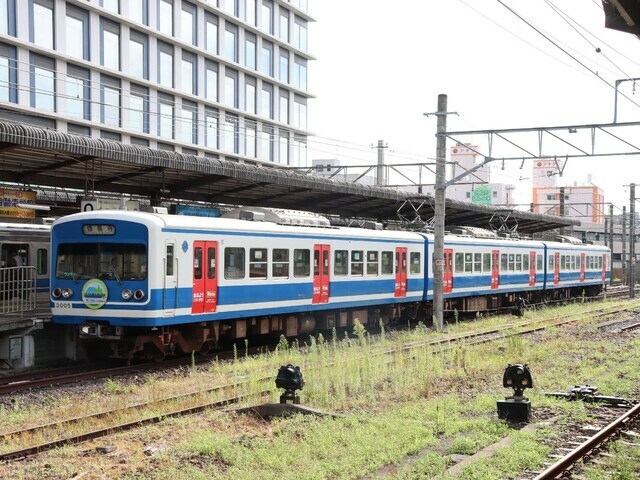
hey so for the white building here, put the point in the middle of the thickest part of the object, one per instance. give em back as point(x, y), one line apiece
point(218, 78)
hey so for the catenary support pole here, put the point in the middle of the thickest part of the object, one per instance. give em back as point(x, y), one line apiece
point(611, 232)
point(438, 248)
point(623, 257)
point(380, 180)
point(632, 240)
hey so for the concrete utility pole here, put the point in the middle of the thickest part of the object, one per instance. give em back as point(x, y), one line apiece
point(611, 232)
point(440, 187)
point(380, 180)
point(624, 244)
point(562, 229)
point(632, 240)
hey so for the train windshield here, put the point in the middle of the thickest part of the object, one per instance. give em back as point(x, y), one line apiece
point(115, 261)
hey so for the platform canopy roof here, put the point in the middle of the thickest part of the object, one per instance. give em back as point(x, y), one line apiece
point(34, 156)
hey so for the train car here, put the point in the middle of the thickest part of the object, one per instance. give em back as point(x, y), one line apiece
point(489, 273)
point(574, 269)
point(153, 283)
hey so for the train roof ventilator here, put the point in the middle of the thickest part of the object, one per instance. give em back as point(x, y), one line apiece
point(517, 408)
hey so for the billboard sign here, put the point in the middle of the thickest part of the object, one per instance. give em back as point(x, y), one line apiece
point(10, 200)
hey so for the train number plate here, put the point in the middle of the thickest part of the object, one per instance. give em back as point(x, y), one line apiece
point(62, 305)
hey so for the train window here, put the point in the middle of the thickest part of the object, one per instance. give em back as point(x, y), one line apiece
point(372, 263)
point(316, 263)
point(234, 263)
point(599, 262)
point(404, 263)
point(211, 263)
point(258, 263)
point(341, 262)
point(387, 263)
point(356, 262)
point(197, 263)
point(486, 262)
point(563, 262)
point(512, 262)
point(578, 262)
point(552, 261)
point(42, 261)
point(302, 263)
point(280, 266)
point(525, 262)
point(518, 264)
point(112, 261)
point(503, 262)
point(169, 266)
point(477, 262)
point(415, 262)
point(539, 263)
point(325, 263)
point(468, 262)
point(459, 262)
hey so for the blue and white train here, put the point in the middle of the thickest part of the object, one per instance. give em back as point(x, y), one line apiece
point(151, 284)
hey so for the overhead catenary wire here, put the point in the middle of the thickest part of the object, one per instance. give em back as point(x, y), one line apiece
point(564, 50)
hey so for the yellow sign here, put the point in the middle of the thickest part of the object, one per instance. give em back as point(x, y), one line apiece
point(9, 200)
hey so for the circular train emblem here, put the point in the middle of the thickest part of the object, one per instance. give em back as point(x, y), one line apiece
point(94, 293)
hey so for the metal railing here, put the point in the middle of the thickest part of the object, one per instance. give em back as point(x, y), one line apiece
point(17, 290)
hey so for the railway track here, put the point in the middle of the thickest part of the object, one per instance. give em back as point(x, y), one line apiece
point(594, 441)
point(80, 429)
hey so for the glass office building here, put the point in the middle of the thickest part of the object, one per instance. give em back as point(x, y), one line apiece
point(217, 78)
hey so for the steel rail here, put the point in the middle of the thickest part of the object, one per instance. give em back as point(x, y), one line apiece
point(585, 449)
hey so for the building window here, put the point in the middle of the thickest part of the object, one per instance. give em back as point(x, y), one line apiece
point(8, 17)
point(188, 23)
point(8, 74)
point(231, 7)
point(250, 95)
point(231, 88)
point(300, 34)
point(165, 116)
point(300, 113)
point(111, 5)
point(138, 11)
point(230, 134)
point(266, 143)
point(231, 43)
point(284, 66)
point(250, 135)
point(267, 16)
point(139, 109)
point(110, 52)
point(299, 151)
point(211, 79)
point(267, 101)
point(284, 107)
point(77, 33)
point(283, 153)
point(187, 121)
point(211, 32)
point(266, 58)
point(41, 23)
point(43, 83)
point(211, 129)
point(284, 25)
point(78, 92)
point(188, 71)
point(165, 65)
point(300, 73)
point(250, 51)
point(165, 17)
point(110, 101)
point(250, 12)
point(138, 55)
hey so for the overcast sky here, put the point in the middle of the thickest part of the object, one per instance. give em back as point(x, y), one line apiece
point(381, 64)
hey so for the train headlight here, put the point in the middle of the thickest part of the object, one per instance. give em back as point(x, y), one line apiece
point(67, 292)
point(56, 293)
point(139, 295)
point(127, 294)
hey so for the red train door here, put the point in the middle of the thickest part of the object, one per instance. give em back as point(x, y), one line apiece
point(532, 269)
point(320, 274)
point(604, 267)
point(401, 272)
point(495, 269)
point(556, 269)
point(210, 277)
point(582, 265)
point(205, 282)
point(448, 270)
